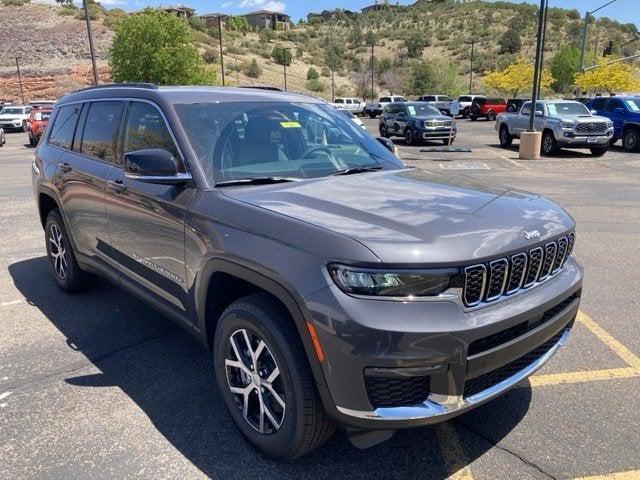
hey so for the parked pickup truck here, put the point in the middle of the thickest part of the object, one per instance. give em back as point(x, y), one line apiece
point(373, 109)
point(441, 102)
point(465, 102)
point(354, 105)
point(564, 123)
point(624, 112)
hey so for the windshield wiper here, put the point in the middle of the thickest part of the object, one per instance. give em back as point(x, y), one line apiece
point(358, 169)
point(257, 181)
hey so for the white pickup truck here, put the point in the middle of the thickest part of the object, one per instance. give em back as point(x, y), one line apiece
point(441, 102)
point(563, 123)
point(373, 109)
point(352, 104)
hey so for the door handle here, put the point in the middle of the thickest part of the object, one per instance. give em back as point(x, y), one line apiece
point(65, 168)
point(117, 186)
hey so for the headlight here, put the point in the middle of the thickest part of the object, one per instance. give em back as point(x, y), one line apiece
point(567, 124)
point(399, 283)
point(609, 124)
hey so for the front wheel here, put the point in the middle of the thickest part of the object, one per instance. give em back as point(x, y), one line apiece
point(473, 118)
point(372, 115)
point(491, 116)
point(262, 371)
point(549, 144)
point(506, 139)
point(383, 131)
point(465, 113)
point(25, 126)
point(409, 137)
point(598, 151)
point(631, 140)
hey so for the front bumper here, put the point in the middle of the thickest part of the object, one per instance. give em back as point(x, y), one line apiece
point(570, 139)
point(432, 339)
point(437, 134)
point(13, 124)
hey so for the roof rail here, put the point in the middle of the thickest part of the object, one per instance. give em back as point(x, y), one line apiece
point(150, 86)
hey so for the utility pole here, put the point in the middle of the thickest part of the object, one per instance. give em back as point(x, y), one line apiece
point(596, 54)
point(544, 34)
point(237, 73)
point(284, 64)
point(585, 29)
point(221, 54)
point(91, 49)
point(471, 68)
point(20, 80)
point(333, 60)
point(542, 17)
point(372, 73)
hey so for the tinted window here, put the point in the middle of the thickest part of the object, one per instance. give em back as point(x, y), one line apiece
point(429, 98)
point(598, 103)
point(101, 130)
point(385, 99)
point(464, 99)
point(612, 104)
point(64, 126)
point(339, 100)
point(147, 129)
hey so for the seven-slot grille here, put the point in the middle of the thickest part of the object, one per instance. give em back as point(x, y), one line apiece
point(591, 127)
point(505, 276)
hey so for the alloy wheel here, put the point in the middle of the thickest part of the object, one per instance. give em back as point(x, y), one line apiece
point(58, 252)
point(254, 379)
point(630, 141)
point(547, 144)
point(408, 136)
point(503, 136)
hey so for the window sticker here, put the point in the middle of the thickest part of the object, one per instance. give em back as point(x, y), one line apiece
point(412, 110)
point(552, 109)
point(633, 106)
point(290, 125)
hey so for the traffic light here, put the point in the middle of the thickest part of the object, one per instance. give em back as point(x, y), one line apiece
point(608, 50)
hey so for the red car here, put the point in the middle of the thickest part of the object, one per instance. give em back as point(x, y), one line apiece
point(37, 123)
point(487, 107)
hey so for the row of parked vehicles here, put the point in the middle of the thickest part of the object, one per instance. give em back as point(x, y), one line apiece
point(30, 118)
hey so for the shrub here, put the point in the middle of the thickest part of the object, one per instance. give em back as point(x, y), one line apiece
point(211, 55)
point(312, 74)
point(315, 85)
point(15, 3)
point(326, 72)
point(252, 69)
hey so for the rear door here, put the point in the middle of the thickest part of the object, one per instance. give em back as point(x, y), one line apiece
point(615, 111)
point(146, 220)
point(82, 170)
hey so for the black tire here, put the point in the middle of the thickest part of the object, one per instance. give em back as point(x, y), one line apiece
point(383, 131)
point(466, 112)
point(598, 151)
point(473, 118)
point(631, 140)
point(25, 126)
point(32, 141)
point(506, 139)
point(304, 424)
point(491, 115)
point(372, 115)
point(549, 145)
point(64, 266)
point(409, 136)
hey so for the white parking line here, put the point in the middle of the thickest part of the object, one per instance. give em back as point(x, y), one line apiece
point(509, 159)
point(12, 302)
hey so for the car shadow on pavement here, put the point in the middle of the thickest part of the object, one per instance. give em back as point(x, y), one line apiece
point(563, 152)
point(169, 375)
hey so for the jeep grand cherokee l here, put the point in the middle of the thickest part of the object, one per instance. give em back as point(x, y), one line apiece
point(334, 285)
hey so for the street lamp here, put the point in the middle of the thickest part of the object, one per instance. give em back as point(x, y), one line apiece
point(91, 49)
point(20, 79)
point(333, 60)
point(473, 42)
point(221, 54)
point(584, 31)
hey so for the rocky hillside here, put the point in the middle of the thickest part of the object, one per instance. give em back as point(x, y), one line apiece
point(51, 44)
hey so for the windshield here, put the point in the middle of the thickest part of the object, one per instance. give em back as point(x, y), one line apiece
point(238, 140)
point(421, 109)
point(567, 108)
point(12, 111)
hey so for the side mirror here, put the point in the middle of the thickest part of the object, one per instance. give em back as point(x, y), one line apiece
point(154, 165)
point(595, 112)
point(618, 110)
point(539, 113)
point(388, 144)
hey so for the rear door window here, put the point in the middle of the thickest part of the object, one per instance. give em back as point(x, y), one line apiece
point(64, 126)
point(147, 129)
point(339, 100)
point(385, 100)
point(101, 130)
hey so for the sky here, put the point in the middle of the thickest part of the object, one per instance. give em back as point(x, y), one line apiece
point(625, 11)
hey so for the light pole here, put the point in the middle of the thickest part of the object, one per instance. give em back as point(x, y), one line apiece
point(542, 18)
point(91, 49)
point(221, 54)
point(471, 67)
point(284, 64)
point(333, 60)
point(372, 73)
point(585, 28)
point(20, 80)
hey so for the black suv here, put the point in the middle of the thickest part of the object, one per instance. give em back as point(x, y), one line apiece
point(333, 284)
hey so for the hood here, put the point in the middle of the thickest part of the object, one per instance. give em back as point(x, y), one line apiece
point(439, 118)
point(413, 216)
point(11, 116)
point(583, 118)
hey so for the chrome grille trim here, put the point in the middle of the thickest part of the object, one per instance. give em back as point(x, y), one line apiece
point(487, 282)
point(498, 273)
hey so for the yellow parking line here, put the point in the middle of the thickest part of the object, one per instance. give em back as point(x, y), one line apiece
point(452, 452)
point(586, 376)
point(630, 475)
point(622, 351)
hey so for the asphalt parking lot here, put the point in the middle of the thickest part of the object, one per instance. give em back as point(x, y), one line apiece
point(99, 385)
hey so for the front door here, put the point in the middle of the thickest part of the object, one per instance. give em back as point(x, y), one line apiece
point(146, 220)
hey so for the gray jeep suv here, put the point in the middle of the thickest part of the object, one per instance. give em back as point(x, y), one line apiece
point(334, 285)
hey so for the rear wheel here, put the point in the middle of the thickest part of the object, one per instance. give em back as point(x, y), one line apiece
point(25, 126)
point(372, 115)
point(64, 266)
point(631, 140)
point(263, 374)
point(506, 139)
point(32, 141)
point(473, 118)
point(598, 151)
point(491, 115)
point(549, 144)
point(465, 113)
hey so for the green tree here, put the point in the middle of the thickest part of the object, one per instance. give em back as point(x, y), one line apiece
point(238, 24)
point(356, 37)
point(510, 42)
point(312, 74)
point(415, 43)
point(252, 69)
point(564, 66)
point(371, 38)
point(282, 55)
point(437, 75)
point(157, 47)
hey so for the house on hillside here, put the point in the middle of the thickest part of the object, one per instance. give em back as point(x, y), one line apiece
point(211, 19)
point(381, 5)
point(268, 19)
point(180, 11)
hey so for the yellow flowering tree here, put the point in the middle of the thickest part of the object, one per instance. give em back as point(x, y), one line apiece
point(516, 78)
point(615, 77)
